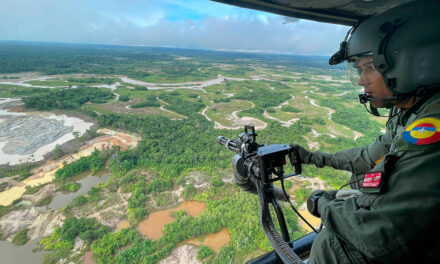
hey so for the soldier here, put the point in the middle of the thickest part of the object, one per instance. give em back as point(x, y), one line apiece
point(393, 213)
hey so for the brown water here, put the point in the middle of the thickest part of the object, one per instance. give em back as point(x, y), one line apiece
point(213, 241)
point(153, 225)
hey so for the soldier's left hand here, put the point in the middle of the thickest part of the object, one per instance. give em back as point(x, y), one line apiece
point(313, 204)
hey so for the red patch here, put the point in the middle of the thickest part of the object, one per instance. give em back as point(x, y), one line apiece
point(372, 180)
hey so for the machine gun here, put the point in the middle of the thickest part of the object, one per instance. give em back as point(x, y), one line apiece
point(256, 168)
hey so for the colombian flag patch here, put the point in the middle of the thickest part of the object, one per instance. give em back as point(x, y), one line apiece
point(423, 131)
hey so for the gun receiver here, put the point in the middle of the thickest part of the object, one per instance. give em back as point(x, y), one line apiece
point(272, 156)
point(254, 168)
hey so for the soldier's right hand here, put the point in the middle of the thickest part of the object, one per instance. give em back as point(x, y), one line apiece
point(300, 155)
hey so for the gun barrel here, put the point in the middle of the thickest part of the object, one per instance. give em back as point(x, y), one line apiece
point(229, 144)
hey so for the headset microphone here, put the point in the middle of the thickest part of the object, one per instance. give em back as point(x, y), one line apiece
point(364, 98)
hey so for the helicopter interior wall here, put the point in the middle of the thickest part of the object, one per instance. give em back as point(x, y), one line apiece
point(344, 12)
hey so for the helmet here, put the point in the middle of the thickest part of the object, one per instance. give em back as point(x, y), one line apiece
point(404, 43)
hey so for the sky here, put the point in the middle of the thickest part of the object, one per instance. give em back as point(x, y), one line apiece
point(197, 24)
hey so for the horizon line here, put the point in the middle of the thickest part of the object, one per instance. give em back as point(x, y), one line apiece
point(261, 52)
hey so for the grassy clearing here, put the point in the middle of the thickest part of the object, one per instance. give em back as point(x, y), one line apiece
point(222, 112)
point(13, 91)
point(51, 83)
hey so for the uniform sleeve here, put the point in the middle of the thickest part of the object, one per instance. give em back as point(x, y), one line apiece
point(358, 161)
point(399, 220)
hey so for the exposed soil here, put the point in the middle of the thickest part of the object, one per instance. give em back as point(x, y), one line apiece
point(183, 254)
point(88, 258)
point(123, 225)
point(17, 220)
point(239, 122)
point(46, 172)
point(123, 108)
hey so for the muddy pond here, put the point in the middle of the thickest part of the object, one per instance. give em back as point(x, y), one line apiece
point(153, 225)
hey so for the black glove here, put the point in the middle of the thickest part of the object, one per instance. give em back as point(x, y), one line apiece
point(300, 155)
point(318, 200)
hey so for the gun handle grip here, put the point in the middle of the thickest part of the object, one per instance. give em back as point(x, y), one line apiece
point(298, 167)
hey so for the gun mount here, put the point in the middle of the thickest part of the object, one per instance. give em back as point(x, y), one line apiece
point(256, 167)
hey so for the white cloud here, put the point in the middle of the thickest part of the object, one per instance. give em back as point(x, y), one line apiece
point(146, 23)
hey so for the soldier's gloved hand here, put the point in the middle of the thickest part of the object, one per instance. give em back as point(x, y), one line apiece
point(300, 155)
point(303, 156)
point(318, 200)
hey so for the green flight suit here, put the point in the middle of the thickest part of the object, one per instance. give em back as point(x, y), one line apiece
point(398, 222)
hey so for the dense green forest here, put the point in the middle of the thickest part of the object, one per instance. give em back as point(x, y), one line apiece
point(178, 141)
point(67, 98)
point(94, 163)
point(134, 62)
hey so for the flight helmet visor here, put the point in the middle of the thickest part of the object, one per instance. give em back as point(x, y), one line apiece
point(361, 69)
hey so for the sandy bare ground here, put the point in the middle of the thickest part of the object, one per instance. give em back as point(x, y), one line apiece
point(88, 258)
point(200, 85)
point(239, 122)
point(356, 134)
point(287, 123)
point(112, 208)
point(26, 78)
point(313, 145)
point(39, 224)
point(182, 85)
point(315, 183)
point(329, 110)
point(283, 123)
point(46, 172)
point(327, 78)
point(205, 115)
point(285, 76)
point(183, 254)
point(316, 134)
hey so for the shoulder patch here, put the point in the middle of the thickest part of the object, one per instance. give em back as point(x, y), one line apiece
point(423, 131)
